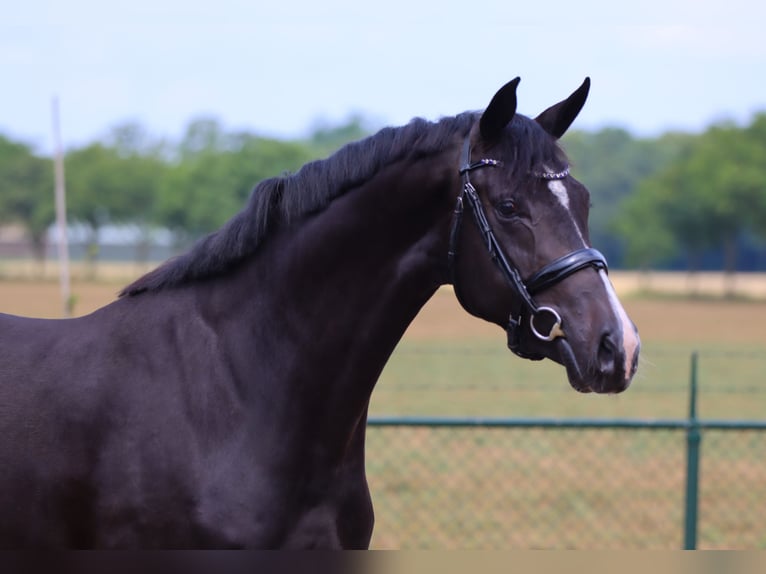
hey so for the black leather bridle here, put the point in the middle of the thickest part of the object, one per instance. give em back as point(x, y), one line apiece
point(523, 290)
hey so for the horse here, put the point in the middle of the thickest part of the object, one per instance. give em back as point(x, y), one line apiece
point(221, 400)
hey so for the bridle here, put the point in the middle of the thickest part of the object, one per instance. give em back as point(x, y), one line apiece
point(523, 290)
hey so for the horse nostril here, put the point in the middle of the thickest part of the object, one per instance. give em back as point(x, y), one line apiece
point(607, 354)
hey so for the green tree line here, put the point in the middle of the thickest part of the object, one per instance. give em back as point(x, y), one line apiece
point(675, 201)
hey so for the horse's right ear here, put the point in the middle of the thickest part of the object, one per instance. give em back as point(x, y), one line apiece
point(499, 112)
point(557, 119)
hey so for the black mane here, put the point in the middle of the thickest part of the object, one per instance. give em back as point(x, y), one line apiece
point(316, 184)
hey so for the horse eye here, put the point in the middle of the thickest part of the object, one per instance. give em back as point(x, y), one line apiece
point(506, 208)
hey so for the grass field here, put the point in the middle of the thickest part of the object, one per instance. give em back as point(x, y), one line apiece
point(544, 488)
point(561, 488)
point(464, 362)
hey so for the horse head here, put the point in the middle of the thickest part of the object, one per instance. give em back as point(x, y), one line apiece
point(520, 252)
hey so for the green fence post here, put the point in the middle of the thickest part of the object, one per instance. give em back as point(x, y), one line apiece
point(693, 438)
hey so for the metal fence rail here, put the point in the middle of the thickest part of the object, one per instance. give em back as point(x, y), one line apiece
point(568, 483)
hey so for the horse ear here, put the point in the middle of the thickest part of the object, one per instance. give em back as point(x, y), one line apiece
point(499, 112)
point(557, 119)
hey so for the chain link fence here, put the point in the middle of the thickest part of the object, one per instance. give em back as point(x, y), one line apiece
point(556, 486)
point(567, 483)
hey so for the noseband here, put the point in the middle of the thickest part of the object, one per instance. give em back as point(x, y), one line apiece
point(523, 290)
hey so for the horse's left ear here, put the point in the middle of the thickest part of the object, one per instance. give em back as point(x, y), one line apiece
point(499, 112)
point(557, 119)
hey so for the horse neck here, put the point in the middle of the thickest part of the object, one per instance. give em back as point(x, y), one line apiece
point(372, 259)
point(335, 293)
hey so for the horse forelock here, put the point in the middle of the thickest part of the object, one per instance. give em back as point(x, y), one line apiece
point(533, 150)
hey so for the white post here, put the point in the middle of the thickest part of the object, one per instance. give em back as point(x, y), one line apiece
point(61, 224)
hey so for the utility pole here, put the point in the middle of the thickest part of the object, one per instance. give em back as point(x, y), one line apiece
point(61, 224)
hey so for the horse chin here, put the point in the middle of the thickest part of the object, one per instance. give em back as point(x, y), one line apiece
point(588, 381)
point(568, 359)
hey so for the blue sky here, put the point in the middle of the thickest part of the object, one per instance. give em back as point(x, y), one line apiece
point(278, 68)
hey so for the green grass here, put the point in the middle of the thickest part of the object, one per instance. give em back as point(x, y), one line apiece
point(482, 378)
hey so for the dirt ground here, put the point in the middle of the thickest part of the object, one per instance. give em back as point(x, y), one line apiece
point(665, 319)
point(42, 299)
point(656, 318)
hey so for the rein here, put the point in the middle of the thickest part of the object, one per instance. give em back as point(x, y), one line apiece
point(546, 277)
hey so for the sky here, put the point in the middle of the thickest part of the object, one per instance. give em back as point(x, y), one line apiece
point(281, 68)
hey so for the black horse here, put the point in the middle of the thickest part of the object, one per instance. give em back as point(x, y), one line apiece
point(221, 401)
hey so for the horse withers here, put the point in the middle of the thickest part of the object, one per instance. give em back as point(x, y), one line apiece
point(221, 401)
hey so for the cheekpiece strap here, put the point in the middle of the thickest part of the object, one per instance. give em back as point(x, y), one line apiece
point(465, 159)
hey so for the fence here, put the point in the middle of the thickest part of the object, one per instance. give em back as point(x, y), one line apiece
point(568, 483)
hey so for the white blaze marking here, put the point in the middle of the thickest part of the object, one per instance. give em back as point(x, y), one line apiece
point(630, 340)
point(558, 189)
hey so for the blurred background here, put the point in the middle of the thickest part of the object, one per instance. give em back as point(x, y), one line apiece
point(170, 113)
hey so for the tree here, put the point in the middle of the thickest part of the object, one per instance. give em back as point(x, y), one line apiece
point(105, 186)
point(719, 185)
point(202, 136)
point(217, 172)
point(326, 139)
point(131, 139)
point(26, 192)
point(647, 238)
point(708, 196)
point(611, 163)
point(197, 195)
point(755, 173)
